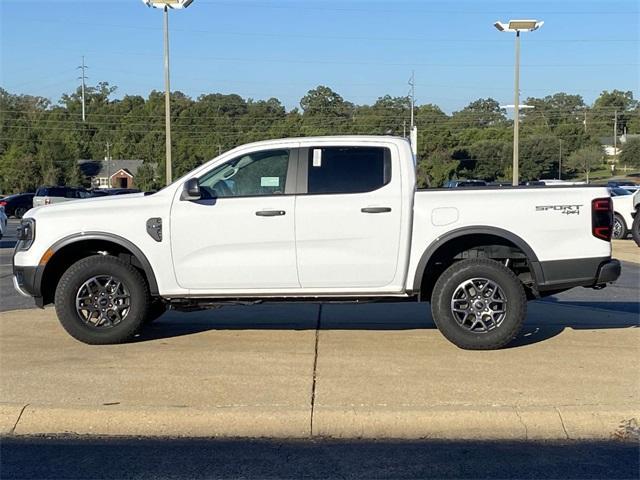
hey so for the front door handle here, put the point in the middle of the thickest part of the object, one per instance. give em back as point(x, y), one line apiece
point(375, 209)
point(270, 213)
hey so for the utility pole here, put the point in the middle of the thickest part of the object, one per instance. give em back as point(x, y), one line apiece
point(516, 114)
point(560, 162)
point(108, 159)
point(83, 78)
point(413, 132)
point(585, 121)
point(413, 95)
point(615, 134)
point(167, 96)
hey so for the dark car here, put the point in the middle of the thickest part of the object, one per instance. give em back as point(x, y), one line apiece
point(119, 191)
point(465, 183)
point(17, 205)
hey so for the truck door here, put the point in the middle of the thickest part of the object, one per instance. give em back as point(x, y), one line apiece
point(240, 235)
point(348, 217)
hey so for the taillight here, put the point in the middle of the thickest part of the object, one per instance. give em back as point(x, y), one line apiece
point(3, 204)
point(602, 218)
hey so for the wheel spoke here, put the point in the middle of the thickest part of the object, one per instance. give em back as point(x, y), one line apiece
point(479, 305)
point(103, 301)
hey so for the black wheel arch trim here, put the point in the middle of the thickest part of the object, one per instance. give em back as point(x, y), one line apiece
point(109, 237)
point(536, 270)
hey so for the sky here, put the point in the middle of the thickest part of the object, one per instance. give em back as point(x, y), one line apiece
point(361, 49)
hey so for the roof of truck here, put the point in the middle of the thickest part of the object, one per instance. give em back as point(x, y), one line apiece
point(326, 138)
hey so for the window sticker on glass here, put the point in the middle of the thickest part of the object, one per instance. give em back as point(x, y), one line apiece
point(269, 181)
point(317, 157)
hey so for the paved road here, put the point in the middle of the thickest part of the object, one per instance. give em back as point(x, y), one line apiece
point(124, 458)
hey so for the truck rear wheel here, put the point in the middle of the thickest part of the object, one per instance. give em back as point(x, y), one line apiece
point(479, 304)
point(102, 300)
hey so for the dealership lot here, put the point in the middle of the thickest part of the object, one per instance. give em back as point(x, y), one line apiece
point(295, 370)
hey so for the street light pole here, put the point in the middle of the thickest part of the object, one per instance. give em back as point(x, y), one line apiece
point(167, 98)
point(166, 5)
point(517, 26)
point(516, 118)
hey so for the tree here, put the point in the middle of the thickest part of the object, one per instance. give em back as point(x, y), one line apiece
point(325, 112)
point(489, 157)
point(485, 112)
point(604, 111)
point(436, 170)
point(585, 160)
point(630, 154)
point(538, 158)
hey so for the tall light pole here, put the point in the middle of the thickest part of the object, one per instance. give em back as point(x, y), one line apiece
point(165, 5)
point(517, 26)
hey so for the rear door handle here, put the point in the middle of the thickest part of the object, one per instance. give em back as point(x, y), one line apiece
point(270, 213)
point(375, 209)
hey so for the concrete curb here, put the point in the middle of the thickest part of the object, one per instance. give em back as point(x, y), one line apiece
point(446, 422)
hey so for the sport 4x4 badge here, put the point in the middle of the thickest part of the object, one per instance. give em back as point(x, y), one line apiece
point(564, 209)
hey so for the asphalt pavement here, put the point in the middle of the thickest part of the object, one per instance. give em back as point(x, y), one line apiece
point(131, 458)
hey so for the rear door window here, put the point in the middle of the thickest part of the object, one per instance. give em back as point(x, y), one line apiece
point(348, 169)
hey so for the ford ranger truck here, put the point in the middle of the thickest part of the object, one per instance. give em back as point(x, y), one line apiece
point(320, 219)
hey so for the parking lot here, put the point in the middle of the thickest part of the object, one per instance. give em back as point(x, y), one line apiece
point(300, 370)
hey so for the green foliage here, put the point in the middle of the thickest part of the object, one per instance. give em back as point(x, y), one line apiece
point(585, 160)
point(630, 154)
point(41, 141)
point(436, 170)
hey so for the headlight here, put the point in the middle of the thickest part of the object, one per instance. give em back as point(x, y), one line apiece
point(26, 233)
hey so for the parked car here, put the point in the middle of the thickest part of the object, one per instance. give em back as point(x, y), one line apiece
point(49, 195)
point(627, 185)
point(17, 205)
point(120, 191)
point(315, 219)
point(3, 222)
point(552, 182)
point(623, 211)
point(465, 183)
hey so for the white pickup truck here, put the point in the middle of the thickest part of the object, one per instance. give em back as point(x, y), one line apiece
point(320, 219)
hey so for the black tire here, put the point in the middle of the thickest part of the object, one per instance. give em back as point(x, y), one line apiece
point(635, 228)
point(496, 334)
point(157, 308)
point(99, 266)
point(19, 212)
point(619, 228)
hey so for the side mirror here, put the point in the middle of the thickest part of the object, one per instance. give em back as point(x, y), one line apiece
point(191, 190)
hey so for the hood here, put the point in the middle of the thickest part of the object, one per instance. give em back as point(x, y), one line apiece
point(87, 205)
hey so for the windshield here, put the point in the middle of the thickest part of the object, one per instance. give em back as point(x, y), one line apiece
point(617, 191)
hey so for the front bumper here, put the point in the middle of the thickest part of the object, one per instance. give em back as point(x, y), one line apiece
point(26, 281)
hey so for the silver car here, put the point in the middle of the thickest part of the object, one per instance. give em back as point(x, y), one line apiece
point(49, 195)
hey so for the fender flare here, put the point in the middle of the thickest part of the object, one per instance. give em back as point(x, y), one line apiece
point(109, 237)
point(476, 230)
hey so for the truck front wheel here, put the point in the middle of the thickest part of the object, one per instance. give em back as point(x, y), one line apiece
point(102, 300)
point(479, 304)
